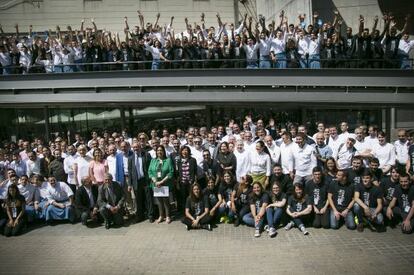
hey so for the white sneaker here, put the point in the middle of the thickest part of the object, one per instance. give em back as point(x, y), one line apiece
point(257, 233)
point(266, 228)
point(304, 231)
point(289, 226)
point(272, 232)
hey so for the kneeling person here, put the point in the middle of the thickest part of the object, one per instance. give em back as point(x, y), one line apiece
point(86, 202)
point(111, 199)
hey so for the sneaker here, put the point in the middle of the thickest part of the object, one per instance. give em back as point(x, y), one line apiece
point(207, 227)
point(304, 231)
point(272, 232)
point(236, 222)
point(360, 227)
point(257, 233)
point(224, 219)
point(289, 226)
point(266, 227)
point(187, 227)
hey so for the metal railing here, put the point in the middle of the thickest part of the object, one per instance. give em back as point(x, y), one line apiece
point(213, 64)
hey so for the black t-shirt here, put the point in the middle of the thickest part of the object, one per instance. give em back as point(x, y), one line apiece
point(277, 198)
point(388, 188)
point(225, 191)
point(341, 194)
point(243, 197)
point(298, 206)
point(196, 207)
point(404, 197)
point(369, 195)
point(258, 201)
point(355, 176)
point(211, 196)
point(318, 193)
point(285, 183)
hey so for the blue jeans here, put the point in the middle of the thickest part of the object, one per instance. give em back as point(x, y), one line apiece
point(359, 212)
point(265, 62)
point(251, 64)
point(405, 62)
point(314, 61)
point(155, 64)
point(304, 62)
point(249, 220)
point(349, 220)
point(280, 61)
point(58, 69)
point(274, 216)
point(78, 68)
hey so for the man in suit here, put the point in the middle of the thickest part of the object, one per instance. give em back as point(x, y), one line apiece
point(111, 199)
point(85, 201)
point(138, 164)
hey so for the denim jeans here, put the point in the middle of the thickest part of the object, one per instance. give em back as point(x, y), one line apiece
point(274, 216)
point(249, 220)
point(314, 61)
point(304, 62)
point(264, 62)
point(251, 64)
point(349, 220)
point(359, 212)
point(280, 61)
point(155, 64)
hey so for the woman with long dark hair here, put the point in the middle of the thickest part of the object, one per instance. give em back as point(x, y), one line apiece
point(259, 199)
point(274, 210)
point(240, 199)
point(196, 210)
point(15, 207)
point(299, 209)
point(187, 175)
point(225, 190)
point(330, 169)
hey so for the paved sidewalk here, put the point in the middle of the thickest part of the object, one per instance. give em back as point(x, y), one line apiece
point(169, 249)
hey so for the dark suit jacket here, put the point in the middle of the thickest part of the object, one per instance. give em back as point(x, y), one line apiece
point(132, 171)
point(82, 199)
point(104, 197)
point(193, 170)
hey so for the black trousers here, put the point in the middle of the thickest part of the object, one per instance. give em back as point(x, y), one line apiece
point(144, 200)
point(204, 220)
point(321, 220)
point(14, 231)
point(117, 218)
point(182, 194)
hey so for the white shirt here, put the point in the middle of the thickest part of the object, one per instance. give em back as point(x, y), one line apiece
point(404, 47)
point(43, 190)
point(260, 163)
point(25, 59)
point(401, 150)
point(385, 154)
point(278, 45)
point(304, 159)
point(198, 155)
point(111, 160)
point(156, 52)
point(4, 186)
point(371, 141)
point(59, 193)
point(242, 159)
point(33, 167)
point(28, 192)
point(251, 51)
point(68, 167)
point(286, 155)
point(274, 151)
point(303, 45)
point(334, 144)
point(5, 59)
point(344, 157)
point(346, 135)
point(264, 46)
point(314, 46)
point(83, 167)
point(125, 161)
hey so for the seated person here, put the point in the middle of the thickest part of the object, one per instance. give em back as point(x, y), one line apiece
point(214, 199)
point(275, 208)
point(240, 205)
point(317, 190)
point(86, 202)
point(401, 206)
point(341, 200)
point(41, 189)
point(259, 199)
point(59, 205)
point(15, 204)
point(299, 209)
point(368, 207)
point(196, 210)
point(31, 195)
point(226, 189)
point(111, 200)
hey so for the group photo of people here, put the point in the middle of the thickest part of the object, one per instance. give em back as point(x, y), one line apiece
point(254, 172)
point(251, 43)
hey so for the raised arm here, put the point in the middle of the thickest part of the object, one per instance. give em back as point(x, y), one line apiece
point(361, 25)
point(157, 18)
point(405, 28)
point(95, 28)
point(374, 27)
point(141, 19)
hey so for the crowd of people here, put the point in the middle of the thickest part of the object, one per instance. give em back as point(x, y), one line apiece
point(249, 44)
point(261, 175)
